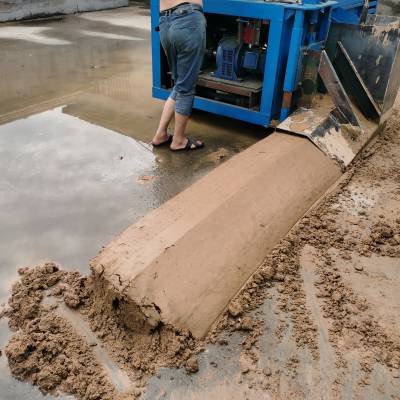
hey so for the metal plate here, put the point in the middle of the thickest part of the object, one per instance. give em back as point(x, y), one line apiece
point(354, 85)
point(372, 48)
point(304, 121)
point(246, 87)
point(341, 142)
point(336, 90)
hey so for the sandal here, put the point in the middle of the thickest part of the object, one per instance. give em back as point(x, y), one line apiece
point(168, 141)
point(191, 144)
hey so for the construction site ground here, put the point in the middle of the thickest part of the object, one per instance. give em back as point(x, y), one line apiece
point(319, 319)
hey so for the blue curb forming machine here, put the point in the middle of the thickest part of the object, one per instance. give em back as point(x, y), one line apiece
point(325, 69)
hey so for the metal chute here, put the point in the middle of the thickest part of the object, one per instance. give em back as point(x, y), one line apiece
point(360, 70)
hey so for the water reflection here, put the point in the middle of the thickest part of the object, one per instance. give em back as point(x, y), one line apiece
point(66, 187)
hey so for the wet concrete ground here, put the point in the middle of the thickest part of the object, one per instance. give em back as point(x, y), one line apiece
point(76, 117)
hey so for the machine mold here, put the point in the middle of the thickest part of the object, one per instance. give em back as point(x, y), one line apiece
point(292, 45)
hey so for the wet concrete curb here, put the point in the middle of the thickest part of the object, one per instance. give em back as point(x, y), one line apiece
point(13, 10)
point(187, 259)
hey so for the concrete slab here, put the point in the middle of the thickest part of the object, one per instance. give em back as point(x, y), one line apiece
point(182, 263)
point(12, 10)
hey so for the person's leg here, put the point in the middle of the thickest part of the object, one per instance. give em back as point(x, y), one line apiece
point(161, 135)
point(189, 38)
point(168, 112)
point(179, 139)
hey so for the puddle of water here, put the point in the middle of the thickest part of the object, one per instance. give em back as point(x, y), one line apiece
point(67, 186)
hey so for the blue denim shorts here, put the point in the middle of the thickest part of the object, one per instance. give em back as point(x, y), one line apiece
point(183, 38)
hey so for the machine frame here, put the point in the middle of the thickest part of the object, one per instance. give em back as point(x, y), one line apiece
point(289, 32)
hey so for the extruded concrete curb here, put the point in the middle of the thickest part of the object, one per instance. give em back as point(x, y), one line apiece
point(12, 10)
point(188, 258)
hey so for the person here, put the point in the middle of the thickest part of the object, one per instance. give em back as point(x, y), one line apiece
point(182, 29)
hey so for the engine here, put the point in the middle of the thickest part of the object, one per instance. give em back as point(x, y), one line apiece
point(241, 55)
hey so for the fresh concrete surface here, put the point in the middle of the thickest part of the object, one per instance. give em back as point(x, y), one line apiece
point(12, 10)
point(193, 254)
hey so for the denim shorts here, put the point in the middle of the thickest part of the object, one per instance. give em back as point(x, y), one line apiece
point(183, 38)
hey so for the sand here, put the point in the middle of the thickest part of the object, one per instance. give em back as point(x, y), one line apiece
point(324, 276)
point(46, 350)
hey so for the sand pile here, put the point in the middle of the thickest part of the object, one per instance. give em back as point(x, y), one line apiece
point(46, 351)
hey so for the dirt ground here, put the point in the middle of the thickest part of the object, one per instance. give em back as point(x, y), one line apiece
point(335, 280)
